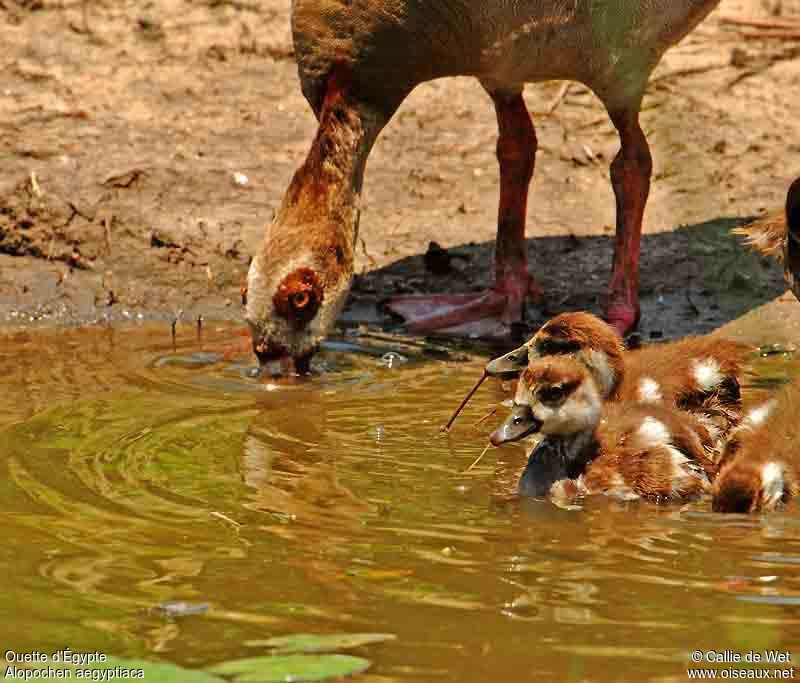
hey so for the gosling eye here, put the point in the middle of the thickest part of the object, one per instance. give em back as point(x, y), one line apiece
point(553, 394)
point(550, 346)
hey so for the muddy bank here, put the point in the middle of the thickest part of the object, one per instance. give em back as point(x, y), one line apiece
point(145, 147)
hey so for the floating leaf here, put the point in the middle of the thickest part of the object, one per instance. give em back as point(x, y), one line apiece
point(153, 672)
point(173, 610)
point(158, 672)
point(308, 642)
point(281, 669)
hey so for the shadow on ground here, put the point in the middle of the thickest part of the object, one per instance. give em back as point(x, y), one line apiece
point(693, 279)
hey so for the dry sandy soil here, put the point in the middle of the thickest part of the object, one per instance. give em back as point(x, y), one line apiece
point(124, 127)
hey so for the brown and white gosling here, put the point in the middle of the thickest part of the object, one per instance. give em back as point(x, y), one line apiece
point(590, 446)
point(700, 375)
point(761, 463)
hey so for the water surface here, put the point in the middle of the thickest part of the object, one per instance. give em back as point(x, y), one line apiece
point(135, 473)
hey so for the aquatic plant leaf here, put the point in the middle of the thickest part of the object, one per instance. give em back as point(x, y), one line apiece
point(160, 672)
point(153, 672)
point(308, 642)
point(279, 669)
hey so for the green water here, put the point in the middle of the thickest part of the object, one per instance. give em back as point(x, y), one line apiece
point(134, 474)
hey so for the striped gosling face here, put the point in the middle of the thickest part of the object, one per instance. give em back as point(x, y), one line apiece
point(579, 335)
point(561, 395)
point(586, 338)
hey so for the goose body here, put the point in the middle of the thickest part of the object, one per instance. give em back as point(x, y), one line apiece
point(358, 60)
point(390, 46)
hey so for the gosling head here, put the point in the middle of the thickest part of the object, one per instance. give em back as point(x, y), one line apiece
point(556, 396)
point(581, 335)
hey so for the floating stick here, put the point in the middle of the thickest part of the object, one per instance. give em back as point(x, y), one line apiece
point(478, 459)
point(486, 417)
point(452, 419)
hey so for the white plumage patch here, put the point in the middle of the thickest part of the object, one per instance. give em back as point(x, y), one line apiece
point(566, 490)
point(707, 373)
point(649, 390)
point(756, 416)
point(654, 432)
point(772, 486)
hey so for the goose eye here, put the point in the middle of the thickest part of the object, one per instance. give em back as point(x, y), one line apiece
point(298, 297)
point(300, 300)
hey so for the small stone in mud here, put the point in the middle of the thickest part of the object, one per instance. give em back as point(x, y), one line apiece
point(437, 260)
point(392, 358)
point(150, 28)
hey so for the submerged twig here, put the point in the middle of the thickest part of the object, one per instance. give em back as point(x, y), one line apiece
point(478, 459)
point(225, 518)
point(175, 325)
point(446, 428)
point(486, 417)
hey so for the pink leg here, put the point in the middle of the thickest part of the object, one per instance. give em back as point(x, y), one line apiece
point(516, 155)
point(630, 177)
point(505, 300)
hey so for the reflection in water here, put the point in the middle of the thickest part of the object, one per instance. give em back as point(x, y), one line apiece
point(135, 474)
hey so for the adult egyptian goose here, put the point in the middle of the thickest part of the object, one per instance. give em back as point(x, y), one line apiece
point(778, 235)
point(697, 374)
point(591, 446)
point(359, 60)
point(761, 463)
